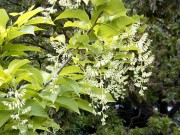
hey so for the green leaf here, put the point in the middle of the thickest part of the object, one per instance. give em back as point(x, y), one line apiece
point(16, 64)
point(61, 38)
point(127, 48)
point(3, 34)
point(77, 38)
point(76, 76)
point(37, 75)
point(39, 20)
point(13, 53)
point(31, 94)
point(83, 104)
point(122, 21)
point(15, 32)
point(78, 24)
point(4, 116)
point(36, 109)
point(107, 31)
point(30, 75)
point(20, 47)
point(4, 18)
point(26, 16)
point(70, 70)
point(70, 13)
point(115, 6)
point(68, 103)
point(51, 96)
point(27, 29)
point(4, 77)
point(100, 92)
point(37, 28)
point(98, 2)
point(2, 73)
point(31, 132)
point(123, 55)
point(25, 77)
point(39, 123)
point(14, 14)
point(46, 76)
point(109, 98)
point(9, 131)
point(69, 83)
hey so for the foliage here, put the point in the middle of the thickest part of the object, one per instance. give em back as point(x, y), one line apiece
point(97, 54)
point(163, 125)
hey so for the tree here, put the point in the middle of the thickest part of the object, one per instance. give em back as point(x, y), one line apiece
point(52, 59)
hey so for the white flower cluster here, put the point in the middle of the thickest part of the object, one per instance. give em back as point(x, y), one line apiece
point(105, 59)
point(98, 101)
point(26, 110)
point(56, 61)
point(17, 102)
point(90, 72)
point(141, 62)
point(52, 1)
point(16, 105)
point(118, 79)
point(126, 59)
point(70, 4)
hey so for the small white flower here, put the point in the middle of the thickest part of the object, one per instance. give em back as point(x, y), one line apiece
point(14, 127)
point(51, 1)
point(16, 116)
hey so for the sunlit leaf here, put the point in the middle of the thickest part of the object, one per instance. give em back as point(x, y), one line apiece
point(70, 13)
point(15, 32)
point(107, 31)
point(78, 24)
point(4, 18)
point(61, 38)
point(28, 29)
point(20, 47)
point(70, 70)
point(115, 6)
point(26, 16)
point(15, 64)
point(98, 2)
point(39, 20)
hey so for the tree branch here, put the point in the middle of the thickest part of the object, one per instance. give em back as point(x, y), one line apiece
point(58, 71)
point(94, 23)
point(174, 109)
point(132, 119)
point(35, 44)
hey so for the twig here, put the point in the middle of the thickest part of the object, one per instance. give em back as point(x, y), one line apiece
point(58, 6)
point(94, 23)
point(58, 71)
point(174, 110)
point(35, 44)
point(134, 118)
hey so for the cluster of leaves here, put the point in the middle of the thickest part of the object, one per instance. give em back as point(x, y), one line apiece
point(97, 54)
